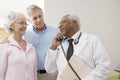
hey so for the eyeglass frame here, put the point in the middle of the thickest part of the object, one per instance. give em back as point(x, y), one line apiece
point(22, 23)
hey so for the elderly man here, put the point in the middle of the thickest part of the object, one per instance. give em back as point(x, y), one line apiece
point(40, 35)
point(86, 47)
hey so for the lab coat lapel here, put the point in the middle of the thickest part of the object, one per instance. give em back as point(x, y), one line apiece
point(81, 44)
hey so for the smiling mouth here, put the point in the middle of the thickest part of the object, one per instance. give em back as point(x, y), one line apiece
point(22, 29)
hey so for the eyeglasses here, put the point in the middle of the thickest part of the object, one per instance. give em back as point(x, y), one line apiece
point(22, 23)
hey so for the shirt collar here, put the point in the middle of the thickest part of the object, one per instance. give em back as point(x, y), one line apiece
point(73, 37)
point(14, 43)
point(45, 27)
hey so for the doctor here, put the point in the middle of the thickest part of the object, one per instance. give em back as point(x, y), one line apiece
point(87, 47)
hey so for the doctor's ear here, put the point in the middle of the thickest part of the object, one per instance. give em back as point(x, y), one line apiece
point(74, 22)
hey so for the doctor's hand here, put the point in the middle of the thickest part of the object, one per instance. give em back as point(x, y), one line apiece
point(56, 41)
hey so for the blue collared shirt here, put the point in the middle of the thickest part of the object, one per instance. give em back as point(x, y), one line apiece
point(41, 41)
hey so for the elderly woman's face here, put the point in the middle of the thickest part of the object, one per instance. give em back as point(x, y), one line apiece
point(19, 26)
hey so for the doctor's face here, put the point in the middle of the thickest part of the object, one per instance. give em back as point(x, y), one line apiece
point(66, 26)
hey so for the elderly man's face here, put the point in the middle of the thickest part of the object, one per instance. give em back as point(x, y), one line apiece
point(66, 26)
point(36, 18)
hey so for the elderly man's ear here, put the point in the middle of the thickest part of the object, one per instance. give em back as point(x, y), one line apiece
point(76, 25)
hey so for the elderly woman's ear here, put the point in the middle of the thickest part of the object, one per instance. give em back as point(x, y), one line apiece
point(11, 27)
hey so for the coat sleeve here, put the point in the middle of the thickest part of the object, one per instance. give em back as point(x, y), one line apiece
point(101, 62)
point(3, 62)
point(50, 62)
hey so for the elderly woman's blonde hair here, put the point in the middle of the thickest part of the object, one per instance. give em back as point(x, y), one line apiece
point(11, 19)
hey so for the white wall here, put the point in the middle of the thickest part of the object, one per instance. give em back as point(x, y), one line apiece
point(98, 17)
point(16, 5)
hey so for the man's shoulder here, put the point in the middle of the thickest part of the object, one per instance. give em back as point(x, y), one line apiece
point(52, 29)
point(29, 28)
point(90, 36)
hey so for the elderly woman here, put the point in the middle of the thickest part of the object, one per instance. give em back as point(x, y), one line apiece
point(18, 57)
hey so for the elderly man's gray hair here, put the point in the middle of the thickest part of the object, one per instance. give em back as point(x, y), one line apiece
point(11, 19)
point(32, 8)
point(74, 18)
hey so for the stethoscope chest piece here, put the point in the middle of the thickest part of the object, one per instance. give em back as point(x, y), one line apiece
point(76, 41)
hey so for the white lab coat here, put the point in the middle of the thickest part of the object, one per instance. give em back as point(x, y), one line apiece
point(89, 49)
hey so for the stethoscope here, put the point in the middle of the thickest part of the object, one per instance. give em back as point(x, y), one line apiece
point(76, 41)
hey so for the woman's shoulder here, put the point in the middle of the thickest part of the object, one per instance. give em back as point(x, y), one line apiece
point(3, 50)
